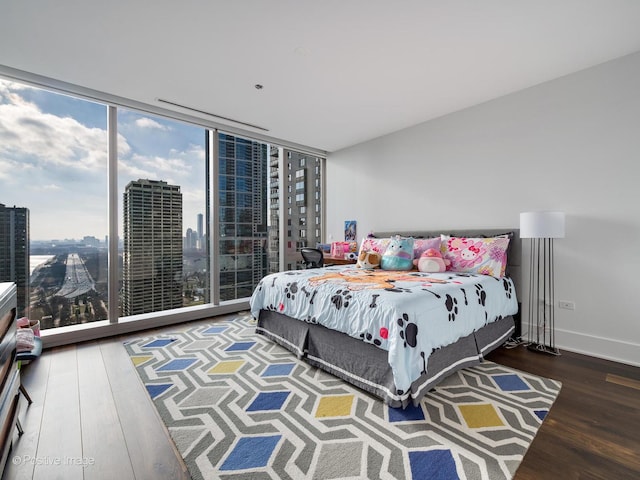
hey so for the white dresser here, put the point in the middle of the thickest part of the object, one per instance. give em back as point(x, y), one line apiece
point(9, 374)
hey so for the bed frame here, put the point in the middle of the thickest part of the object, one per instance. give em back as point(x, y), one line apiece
point(365, 365)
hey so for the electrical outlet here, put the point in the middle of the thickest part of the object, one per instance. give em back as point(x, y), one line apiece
point(566, 305)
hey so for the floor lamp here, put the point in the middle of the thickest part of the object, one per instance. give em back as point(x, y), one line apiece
point(542, 228)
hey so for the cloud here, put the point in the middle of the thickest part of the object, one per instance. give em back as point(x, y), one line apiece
point(124, 149)
point(35, 138)
point(50, 162)
point(8, 90)
point(146, 122)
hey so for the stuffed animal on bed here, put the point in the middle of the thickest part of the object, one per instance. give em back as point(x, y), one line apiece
point(398, 255)
point(368, 260)
point(431, 261)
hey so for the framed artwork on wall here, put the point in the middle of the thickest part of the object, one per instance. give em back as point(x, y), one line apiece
point(350, 231)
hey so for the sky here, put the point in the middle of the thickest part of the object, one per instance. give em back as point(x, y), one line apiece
point(53, 160)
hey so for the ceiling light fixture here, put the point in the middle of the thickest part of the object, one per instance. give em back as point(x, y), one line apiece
point(213, 115)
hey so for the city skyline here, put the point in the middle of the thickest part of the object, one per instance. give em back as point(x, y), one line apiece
point(53, 165)
point(54, 147)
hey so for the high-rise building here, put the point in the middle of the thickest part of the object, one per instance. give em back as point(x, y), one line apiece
point(14, 252)
point(152, 263)
point(190, 240)
point(302, 197)
point(243, 215)
point(200, 232)
point(274, 209)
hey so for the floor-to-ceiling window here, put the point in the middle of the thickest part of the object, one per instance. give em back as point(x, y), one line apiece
point(242, 203)
point(162, 181)
point(303, 182)
point(96, 236)
point(53, 170)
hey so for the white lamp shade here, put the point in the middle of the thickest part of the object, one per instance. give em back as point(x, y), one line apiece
point(542, 225)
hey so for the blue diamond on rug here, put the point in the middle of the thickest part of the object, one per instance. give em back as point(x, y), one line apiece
point(268, 401)
point(158, 389)
point(214, 330)
point(541, 414)
point(239, 346)
point(251, 452)
point(161, 342)
point(177, 364)
point(510, 383)
point(278, 370)
point(408, 414)
point(433, 465)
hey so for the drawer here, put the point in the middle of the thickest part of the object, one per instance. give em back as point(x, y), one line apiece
point(8, 341)
point(8, 415)
point(7, 320)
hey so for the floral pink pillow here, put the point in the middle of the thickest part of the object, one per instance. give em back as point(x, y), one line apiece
point(378, 245)
point(374, 245)
point(486, 256)
point(421, 245)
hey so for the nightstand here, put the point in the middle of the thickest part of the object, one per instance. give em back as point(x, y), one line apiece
point(339, 261)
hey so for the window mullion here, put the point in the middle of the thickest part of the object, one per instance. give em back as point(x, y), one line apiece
point(112, 212)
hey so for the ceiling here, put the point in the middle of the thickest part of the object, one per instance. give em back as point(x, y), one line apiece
point(334, 72)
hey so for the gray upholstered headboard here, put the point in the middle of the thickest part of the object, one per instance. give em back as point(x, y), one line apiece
point(514, 252)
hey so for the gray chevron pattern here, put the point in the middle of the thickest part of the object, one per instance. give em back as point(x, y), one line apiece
point(238, 406)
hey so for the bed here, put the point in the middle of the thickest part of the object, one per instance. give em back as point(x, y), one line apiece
point(394, 334)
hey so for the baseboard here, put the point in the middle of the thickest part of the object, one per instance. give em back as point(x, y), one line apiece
point(600, 347)
point(55, 337)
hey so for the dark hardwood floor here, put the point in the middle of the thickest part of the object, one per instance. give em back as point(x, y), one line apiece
point(91, 418)
point(593, 428)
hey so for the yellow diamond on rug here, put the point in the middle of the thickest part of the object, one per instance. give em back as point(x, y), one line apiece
point(140, 359)
point(480, 416)
point(334, 406)
point(231, 366)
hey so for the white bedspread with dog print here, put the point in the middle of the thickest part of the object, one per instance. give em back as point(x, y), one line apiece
point(409, 314)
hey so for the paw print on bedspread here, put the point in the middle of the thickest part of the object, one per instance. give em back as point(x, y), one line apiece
point(341, 299)
point(370, 338)
point(311, 319)
point(273, 308)
point(409, 331)
point(452, 306)
point(507, 288)
point(482, 299)
point(291, 289)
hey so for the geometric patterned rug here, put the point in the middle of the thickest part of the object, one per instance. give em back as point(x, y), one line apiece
point(239, 406)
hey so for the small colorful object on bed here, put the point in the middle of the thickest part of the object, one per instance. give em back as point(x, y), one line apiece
point(399, 254)
point(431, 261)
point(368, 259)
point(485, 256)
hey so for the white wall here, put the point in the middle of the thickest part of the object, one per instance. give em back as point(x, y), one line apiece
point(572, 144)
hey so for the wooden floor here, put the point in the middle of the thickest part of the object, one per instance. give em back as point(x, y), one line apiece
point(91, 418)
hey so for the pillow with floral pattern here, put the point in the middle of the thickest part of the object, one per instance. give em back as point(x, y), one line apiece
point(371, 245)
point(485, 256)
point(421, 245)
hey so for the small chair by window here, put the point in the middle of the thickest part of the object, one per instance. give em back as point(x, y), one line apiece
point(312, 257)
